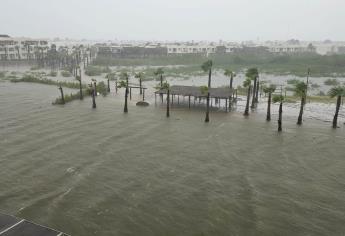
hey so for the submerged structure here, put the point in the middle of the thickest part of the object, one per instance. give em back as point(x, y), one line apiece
point(227, 94)
point(13, 226)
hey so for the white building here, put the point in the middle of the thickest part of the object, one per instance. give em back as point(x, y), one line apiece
point(22, 48)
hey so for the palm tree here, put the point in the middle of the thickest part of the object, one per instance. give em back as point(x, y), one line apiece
point(301, 91)
point(140, 77)
point(166, 86)
point(338, 92)
point(280, 99)
point(18, 52)
point(247, 84)
point(159, 72)
point(231, 74)
point(207, 66)
point(270, 89)
point(124, 83)
point(253, 74)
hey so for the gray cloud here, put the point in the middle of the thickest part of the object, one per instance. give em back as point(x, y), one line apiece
point(175, 19)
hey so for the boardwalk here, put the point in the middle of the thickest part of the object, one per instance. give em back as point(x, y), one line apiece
point(13, 226)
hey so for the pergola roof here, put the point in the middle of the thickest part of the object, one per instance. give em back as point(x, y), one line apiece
point(196, 91)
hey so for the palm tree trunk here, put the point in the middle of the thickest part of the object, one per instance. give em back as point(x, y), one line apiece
point(168, 102)
point(108, 86)
point(246, 111)
point(335, 119)
point(140, 85)
point(93, 98)
point(254, 94)
point(280, 117)
point(62, 96)
point(231, 80)
point(207, 118)
point(257, 92)
point(268, 116)
point(126, 97)
point(300, 116)
point(80, 89)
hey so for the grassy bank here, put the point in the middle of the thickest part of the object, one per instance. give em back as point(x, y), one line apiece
point(40, 80)
point(330, 66)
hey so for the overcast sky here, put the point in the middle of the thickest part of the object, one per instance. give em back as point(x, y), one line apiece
point(175, 19)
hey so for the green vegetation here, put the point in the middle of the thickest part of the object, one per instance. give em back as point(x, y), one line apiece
point(330, 65)
point(96, 70)
point(52, 74)
point(101, 88)
point(338, 92)
point(33, 79)
point(292, 81)
point(332, 82)
point(65, 73)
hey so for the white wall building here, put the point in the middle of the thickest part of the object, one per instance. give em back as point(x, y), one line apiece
point(22, 48)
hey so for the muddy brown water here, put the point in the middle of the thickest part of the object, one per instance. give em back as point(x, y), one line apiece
point(101, 172)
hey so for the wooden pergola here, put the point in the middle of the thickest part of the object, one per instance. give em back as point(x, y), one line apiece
point(227, 94)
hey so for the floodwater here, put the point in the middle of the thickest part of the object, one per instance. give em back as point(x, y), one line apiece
point(102, 172)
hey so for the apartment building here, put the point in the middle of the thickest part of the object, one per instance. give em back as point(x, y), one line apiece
point(22, 48)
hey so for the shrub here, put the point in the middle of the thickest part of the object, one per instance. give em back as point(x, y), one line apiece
point(66, 73)
point(331, 82)
point(52, 74)
point(96, 70)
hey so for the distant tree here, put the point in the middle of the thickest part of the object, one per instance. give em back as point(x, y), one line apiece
point(231, 74)
point(253, 74)
point(300, 89)
point(18, 52)
point(338, 92)
point(269, 89)
point(207, 67)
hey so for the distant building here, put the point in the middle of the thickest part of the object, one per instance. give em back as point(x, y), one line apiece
point(22, 48)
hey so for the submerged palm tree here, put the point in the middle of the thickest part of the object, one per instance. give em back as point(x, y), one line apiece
point(207, 67)
point(301, 91)
point(247, 84)
point(338, 92)
point(280, 99)
point(166, 86)
point(231, 74)
point(124, 83)
point(270, 89)
point(253, 74)
point(140, 77)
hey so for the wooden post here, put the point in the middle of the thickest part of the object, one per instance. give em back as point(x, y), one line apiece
point(143, 94)
point(62, 96)
point(130, 93)
point(116, 86)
